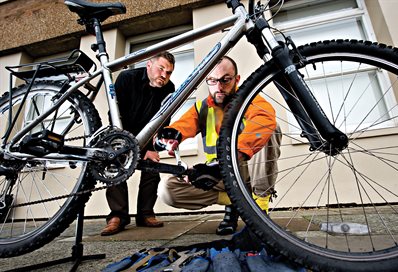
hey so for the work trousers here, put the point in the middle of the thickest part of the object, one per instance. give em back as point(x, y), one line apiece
point(117, 197)
point(262, 171)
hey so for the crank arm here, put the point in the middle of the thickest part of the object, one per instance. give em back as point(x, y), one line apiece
point(67, 153)
point(157, 167)
point(89, 153)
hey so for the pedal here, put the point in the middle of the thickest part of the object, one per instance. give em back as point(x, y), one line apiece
point(8, 172)
point(42, 143)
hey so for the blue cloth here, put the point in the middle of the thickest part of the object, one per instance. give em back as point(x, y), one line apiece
point(124, 263)
point(197, 264)
point(214, 260)
point(261, 261)
point(224, 261)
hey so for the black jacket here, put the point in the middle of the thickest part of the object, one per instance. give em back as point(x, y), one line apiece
point(138, 101)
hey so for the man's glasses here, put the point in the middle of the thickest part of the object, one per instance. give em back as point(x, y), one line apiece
point(223, 81)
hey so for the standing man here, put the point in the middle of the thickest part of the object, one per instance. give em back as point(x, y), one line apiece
point(140, 93)
point(206, 117)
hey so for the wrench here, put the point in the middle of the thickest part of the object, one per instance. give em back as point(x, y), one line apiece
point(178, 159)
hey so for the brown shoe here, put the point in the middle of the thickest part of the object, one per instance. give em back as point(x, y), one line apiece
point(114, 226)
point(149, 222)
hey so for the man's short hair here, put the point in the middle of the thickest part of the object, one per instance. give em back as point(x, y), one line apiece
point(232, 61)
point(167, 55)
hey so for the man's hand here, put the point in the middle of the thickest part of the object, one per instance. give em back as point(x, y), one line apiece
point(204, 176)
point(152, 155)
point(170, 145)
point(167, 139)
point(242, 156)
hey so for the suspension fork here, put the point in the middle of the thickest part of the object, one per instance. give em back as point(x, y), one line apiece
point(293, 88)
point(308, 129)
point(306, 107)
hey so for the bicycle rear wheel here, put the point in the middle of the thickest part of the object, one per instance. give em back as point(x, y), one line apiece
point(29, 226)
point(332, 212)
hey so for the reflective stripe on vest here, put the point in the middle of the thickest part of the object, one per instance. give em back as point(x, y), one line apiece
point(207, 124)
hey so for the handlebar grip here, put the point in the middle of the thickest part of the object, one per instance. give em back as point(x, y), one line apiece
point(233, 4)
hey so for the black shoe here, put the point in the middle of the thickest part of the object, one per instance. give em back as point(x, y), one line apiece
point(230, 222)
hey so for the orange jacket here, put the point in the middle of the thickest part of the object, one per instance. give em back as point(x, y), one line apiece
point(260, 123)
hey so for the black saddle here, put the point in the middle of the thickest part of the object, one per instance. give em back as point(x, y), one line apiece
point(101, 11)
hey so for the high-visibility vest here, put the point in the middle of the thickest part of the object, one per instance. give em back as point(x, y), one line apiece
point(207, 125)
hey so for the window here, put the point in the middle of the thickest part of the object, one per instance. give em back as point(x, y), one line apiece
point(40, 103)
point(311, 21)
point(184, 57)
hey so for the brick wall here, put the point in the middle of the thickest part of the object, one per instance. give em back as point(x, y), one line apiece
point(26, 25)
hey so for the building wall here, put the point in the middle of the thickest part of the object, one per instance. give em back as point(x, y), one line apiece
point(24, 39)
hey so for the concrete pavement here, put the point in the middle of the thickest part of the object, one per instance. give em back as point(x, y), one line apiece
point(184, 230)
point(179, 230)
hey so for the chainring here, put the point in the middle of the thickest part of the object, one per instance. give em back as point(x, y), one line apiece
point(122, 165)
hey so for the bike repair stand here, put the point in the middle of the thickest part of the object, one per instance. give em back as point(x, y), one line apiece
point(77, 251)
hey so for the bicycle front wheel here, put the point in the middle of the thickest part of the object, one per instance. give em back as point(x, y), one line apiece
point(34, 209)
point(333, 212)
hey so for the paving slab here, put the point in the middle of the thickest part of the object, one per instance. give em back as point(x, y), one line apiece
point(116, 247)
point(171, 230)
point(181, 230)
point(210, 226)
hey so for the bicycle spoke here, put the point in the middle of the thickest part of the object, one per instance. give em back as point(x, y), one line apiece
point(339, 203)
point(40, 208)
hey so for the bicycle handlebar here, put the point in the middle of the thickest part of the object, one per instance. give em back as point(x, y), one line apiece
point(236, 3)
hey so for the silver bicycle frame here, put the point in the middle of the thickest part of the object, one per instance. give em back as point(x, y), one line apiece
point(239, 25)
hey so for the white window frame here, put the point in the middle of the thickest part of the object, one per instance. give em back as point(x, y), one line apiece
point(332, 17)
point(360, 13)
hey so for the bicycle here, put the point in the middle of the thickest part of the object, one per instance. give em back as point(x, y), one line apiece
point(64, 144)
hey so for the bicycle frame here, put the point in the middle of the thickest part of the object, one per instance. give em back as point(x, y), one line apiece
point(239, 26)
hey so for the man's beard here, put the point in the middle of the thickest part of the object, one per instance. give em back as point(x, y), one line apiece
point(227, 97)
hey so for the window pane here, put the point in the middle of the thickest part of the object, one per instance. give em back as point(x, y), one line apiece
point(39, 104)
point(346, 29)
point(344, 90)
point(183, 67)
point(293, 10)
point(333, 20)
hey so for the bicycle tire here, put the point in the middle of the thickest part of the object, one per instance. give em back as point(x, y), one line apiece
point(26, 228)
point(320, 197)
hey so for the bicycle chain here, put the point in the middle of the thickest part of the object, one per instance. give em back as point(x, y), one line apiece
point(67, 195)
point(76, 138)
point(71, 194)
